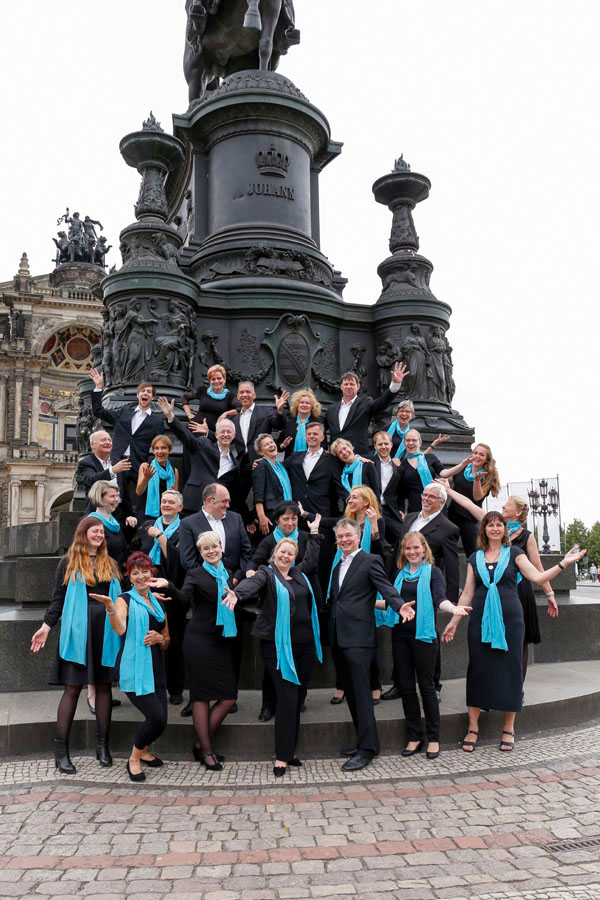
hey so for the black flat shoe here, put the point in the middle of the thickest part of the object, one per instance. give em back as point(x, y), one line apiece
point(266, 714)
point(155, 763)
point(417, 749)
point(335, 700)
point(233, 709)
point(279, 771)
point(198, 755)
point(432, 754)
point(391, 694)
point(187, 710)
point(139, 777)
point(356, 762)
point(294, 762)
point(115, 702)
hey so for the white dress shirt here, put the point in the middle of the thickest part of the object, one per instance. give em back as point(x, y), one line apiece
point(245, 417)
point(421, 521)
point(345, 563)
point(106, 464)
point(387, 470)
point(310, 460)
point(216, 526)
point(226, 463)
point(138, 417)
point(345, 411)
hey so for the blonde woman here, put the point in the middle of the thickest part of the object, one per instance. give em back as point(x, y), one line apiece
point(475, 478)
point(304, 408)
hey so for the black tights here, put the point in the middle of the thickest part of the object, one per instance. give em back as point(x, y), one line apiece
point(207, 719)
point(68, 705)
point(154, 709)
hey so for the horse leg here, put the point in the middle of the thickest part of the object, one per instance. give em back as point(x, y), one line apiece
point(252, 17)
point(270, 16)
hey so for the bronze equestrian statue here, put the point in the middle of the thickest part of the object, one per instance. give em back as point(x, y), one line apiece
point(226, 36)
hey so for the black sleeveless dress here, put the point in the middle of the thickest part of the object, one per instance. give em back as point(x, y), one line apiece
point(469, 526)
point(527, 597)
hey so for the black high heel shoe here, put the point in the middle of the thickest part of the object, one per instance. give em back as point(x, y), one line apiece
point(103, 753)
point(62, 760)
point(198, 755)
point(139, 777)
point(417, 749)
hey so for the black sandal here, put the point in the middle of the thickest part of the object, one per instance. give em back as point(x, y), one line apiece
point(507, 746)
point(472, 744)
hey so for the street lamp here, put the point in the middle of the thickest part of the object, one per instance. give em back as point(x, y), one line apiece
point(544, 504)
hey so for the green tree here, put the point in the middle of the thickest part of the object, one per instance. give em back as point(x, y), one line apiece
point(576, 533)
point(593, 543)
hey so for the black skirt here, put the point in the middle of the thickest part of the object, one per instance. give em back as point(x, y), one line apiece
point(209, 665)
point(93, 672)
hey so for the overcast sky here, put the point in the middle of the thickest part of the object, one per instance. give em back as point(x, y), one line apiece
point(496, 102)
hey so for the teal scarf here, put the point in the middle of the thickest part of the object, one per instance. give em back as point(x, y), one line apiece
point(168, 531)
point(300, 441)
point(278, 535)
point(74, 625)
point(470, 475)
point(365, 544)
point(283, 477)
point(136, 672)
point(220, 396)
point(225, 616)
point(422, 468)
point(396, 428)
point(153, 489)
point(425, 612)
point(283, 638)
point(512, 527)
point(492, 622)
point(356, 471)
point(111, 523)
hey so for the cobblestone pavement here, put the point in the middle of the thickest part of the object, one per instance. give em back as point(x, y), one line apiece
point(460, 827)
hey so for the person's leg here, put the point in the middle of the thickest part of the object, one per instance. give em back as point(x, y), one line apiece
point(304, 658)
point(404, 666)
point(360, 698)
point(437, 669)
point(468, 534)
point(508, 732)
point(338, 663)
point(103, 716)
point(469, 744)
point(424, 655)
point(286, 712)
point(217, 713)
point(66, 711)
point(268, 697)
point(154, 709)
point(375, 679)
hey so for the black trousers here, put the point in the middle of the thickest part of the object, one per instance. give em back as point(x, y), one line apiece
point(154, 709)
point(437, 669)
point(414, 662)
point(269, 697)
point(288, 695)
point(469, 532)
point(374, 677)
point(355, 677)
point(177, 613)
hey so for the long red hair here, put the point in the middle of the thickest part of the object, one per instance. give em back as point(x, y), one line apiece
point(78, 556)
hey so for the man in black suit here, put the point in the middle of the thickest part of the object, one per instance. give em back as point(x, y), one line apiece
point(388, 474)
point(313, 474)
point(253, 420)
point(355, 582)
point(349, 418)
point(134, 427)
point(442, 536)
point(214, 516)
point(211, 461)
point(99, 465)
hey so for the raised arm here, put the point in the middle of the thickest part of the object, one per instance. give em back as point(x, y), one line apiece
point(313, 548)
point(454, 470)
point(107, 415)
point(533, 554)
point(463, 501)
point(530, 572)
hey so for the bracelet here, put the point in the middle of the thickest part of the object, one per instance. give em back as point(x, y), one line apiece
point(163, 642)
point(549, 593)
point(560, 566)
point(113, 613)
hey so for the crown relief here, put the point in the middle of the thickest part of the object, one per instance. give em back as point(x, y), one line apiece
point(272, 162)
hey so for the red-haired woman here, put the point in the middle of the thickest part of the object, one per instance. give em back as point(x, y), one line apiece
point(213, 401)
point(86, 647)
point(140, 616)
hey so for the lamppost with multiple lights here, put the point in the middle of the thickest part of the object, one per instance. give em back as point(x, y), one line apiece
point(544, 504)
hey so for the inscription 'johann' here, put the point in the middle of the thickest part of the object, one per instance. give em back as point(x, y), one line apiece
point(271, 190)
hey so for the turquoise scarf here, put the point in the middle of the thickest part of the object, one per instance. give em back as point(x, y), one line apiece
point(512, 527)
point(422, 468)
point(112, 640)
point(153, 489)
point(136, 672)
point(220, 396)
point(300, 441)
point(283, 638)
point(356, 471)
point(74, 625)
point(283, 477)
point(470, 475)
point(278, 535)
point(395, 428)
point(111, 523)
point(365, 544)
point(225, 616)
point(492, 623)
point(425, 612)
point(168, 531)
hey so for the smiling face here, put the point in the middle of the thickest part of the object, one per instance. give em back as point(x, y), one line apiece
point(140, 579)
point(413, 551)
point(101, 444)
point(345, 453)
point(349, 389)
point(357, 502)
point(161, 451)
point(169, 506)
point(284, 555)
point(304, 406)
point(495, 529)
point(383, 445)
point(246, 394)
point(431, 501)
point(404, 415)
point(95, 537)
point(510, 513)
point(268, 447)
point(211, 554)
point(217, 382)
point(314, 438)
point(225, 434)
point(480, 456)
point(218, 505)
point(287, 522)
point(145, 396)
point(412, 441)
point(110, 499)
point(347, 539)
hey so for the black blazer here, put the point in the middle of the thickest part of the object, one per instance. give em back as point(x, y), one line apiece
point(377, 546)
point(238, 551)
point(263, 584)
point(370, 478)
point(411, 486)
point(353, 607)
point(391, 497)
point(89, 470)
point(356, 427)
point(169, 566)
point(200, 590)
point(289, 430)
point(319, 493)
point(204, 468)
point(264, 420)
point(263, 552)
point(120, 419)
point(442, 536)
point(266, 486)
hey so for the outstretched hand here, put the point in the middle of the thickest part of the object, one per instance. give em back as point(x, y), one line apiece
point(461, 610)
point(448, 633)
point(399, 373)
point(406, 611)
point(314, 525)
point(229, 600)
point(38, 641)
point(97, 377)
point(198, 428)
point(168, 409)
point(281, 401)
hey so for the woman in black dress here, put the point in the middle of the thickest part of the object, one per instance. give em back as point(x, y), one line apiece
point(79, 658)
point(104, 495)
point(140, 616)
point(304, 408)
point(270, 482)
point(417, 470)
point(155, 478)
point(475, 477)
point(289, 634)
point(213, 401)
point(415, 643)
point(207, 645)
point(496, 625)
